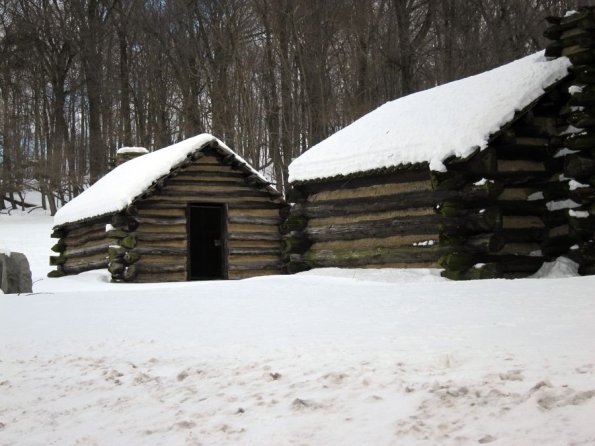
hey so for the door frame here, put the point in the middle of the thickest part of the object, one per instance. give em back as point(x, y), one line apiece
point(224, 233)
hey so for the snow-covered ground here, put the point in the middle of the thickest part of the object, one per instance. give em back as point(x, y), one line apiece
point(331, 357)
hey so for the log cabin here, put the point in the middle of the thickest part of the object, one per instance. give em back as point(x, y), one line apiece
point(486, 177)
point(194, 210)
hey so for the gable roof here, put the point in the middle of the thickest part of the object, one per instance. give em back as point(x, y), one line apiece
point(453, 119)
point(135, 178)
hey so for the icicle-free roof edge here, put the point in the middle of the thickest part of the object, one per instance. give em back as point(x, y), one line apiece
point(127, 183)
point(451, 120)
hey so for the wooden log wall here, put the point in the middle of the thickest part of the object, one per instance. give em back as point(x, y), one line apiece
point(376, 221)
point(80, 247)
point(152, 240)
point(512, 231)
point(574, 37)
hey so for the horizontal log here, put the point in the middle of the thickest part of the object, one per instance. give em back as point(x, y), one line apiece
point(254, 236)
point(90, 227)
point(162, 267)
point(372, 216)
point(82, 267)
point(143, 250)
point(93, 231)
point(160, 277)
point(273, 213)
point(376, 256)
point(174, 228)
point(160, 258)
point(379, 242)
point(236, 275)
point(159, 213)
point(239, 228)
point(254, 251)
point(255, 266)
point(199, 182)
point(252, 243)
point(150, 244)
point(182, 204)
point(406, 176)
point(505, 166)
point(215, 194)
point(220, 189)
point(368, 205)
point(371, 192)
point(87, 239)
point(88, 251)
point(267, 221)
point(158, 236)
point(380, 228)
point(517, 193)
point(163, 220)
point(191, 175)
point(522, 222)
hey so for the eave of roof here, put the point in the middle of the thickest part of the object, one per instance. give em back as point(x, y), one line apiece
point(229, 157)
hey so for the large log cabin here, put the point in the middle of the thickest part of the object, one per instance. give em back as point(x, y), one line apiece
point(191, 211)
point(486, 177)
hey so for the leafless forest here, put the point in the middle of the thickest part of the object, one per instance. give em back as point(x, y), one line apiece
point(81, 78)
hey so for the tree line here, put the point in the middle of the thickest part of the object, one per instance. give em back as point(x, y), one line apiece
point(81, 78)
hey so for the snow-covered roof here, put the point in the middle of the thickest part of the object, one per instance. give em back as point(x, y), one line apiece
point(126, 150)
point(120, 187)
point(453, 119)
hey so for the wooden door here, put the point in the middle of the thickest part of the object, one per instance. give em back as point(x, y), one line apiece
point(206, 242)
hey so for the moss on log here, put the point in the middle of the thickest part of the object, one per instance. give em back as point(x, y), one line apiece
point(128, 242)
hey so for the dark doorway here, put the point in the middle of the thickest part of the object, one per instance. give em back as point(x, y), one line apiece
point(206, 242)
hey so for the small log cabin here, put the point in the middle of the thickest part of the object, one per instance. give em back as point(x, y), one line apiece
point(486, 177)
point(193, 210)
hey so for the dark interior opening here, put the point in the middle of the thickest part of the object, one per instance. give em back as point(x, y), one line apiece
point(206, 242)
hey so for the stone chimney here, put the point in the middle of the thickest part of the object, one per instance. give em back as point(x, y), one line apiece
point(127, 153)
